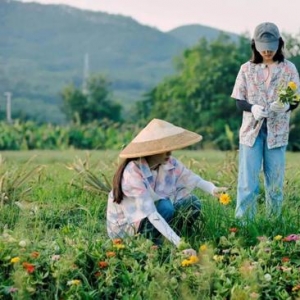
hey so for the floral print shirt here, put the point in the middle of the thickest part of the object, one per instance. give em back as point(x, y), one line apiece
point(250, 86)
point(142, 187)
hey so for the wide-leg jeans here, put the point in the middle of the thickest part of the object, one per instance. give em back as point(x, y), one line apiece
point(251, 161)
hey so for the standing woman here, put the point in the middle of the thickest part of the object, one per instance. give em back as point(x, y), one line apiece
point(151, 185)
point(264, 132)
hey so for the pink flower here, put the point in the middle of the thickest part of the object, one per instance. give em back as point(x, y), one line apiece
point(55, 257)
point(12, 290)
point(262, 238)
point(292, 237)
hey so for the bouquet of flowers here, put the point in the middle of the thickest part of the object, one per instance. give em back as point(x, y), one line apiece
point(288, 94)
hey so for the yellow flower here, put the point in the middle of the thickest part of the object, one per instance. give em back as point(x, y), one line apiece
point(278, 237)
point(192, 260)
point(288, 94)
point(203, 248)
point(74, 282)
point(15, 260)
point(119, 246)
point(218, 258)
point(292, 85)
point(185, 262)
point(224, 199)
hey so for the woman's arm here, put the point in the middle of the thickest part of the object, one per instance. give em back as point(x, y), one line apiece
point(163, 227)
point(243, 105)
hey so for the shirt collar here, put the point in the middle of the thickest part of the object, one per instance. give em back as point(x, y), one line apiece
point(146, 172)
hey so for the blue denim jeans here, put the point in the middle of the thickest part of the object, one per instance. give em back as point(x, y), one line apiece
point(251, 161)
point(188, 208)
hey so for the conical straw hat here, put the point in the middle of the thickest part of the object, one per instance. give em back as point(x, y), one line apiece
point(158, 137)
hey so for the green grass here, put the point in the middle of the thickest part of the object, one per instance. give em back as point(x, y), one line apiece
point(65, 225)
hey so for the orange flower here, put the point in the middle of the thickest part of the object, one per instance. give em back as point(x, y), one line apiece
point(103, 264)
point(98, 274)
point(110, 254)
point(296, 288)
point(35, 254)
point(117, 241)
point(28, 267)
point(285, 259)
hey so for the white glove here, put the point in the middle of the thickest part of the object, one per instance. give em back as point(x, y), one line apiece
point(258, 112)
point(219, 190)
point(279, 107)
point(189, 252)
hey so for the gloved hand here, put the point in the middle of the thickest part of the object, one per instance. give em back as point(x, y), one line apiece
point(189, 252)
point(258, 112)
point(279, 107)
point(219, 190)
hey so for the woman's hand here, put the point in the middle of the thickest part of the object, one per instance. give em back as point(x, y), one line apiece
point(189, 252)
point(279, 107)
point(219, 190)
point(186, 248)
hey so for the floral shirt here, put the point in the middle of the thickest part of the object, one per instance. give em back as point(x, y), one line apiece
point(250, 86)
point(142, 187)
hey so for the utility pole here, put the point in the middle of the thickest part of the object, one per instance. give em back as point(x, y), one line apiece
point(86, 71)
point(8, 107)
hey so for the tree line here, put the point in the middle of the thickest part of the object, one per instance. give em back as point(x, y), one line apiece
point(196, 97)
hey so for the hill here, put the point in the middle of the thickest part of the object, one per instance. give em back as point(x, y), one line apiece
point(43, 48)
point(191, 34)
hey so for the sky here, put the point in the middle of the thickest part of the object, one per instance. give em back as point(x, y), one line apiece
point(237, 16)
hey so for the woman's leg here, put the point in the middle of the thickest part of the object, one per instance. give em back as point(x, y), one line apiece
point(250, 162)
point(187, 212)
point(274, 167)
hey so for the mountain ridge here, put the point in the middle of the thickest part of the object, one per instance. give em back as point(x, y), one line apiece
point(45, 46)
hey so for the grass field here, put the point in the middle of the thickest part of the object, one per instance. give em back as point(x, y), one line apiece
point(53, 241)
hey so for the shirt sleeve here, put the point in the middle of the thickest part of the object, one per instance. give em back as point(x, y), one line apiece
point(189, 180)
point(240, 87)
point(137, 203)
point(295, 77)
point(243, 105)
point(164, 228)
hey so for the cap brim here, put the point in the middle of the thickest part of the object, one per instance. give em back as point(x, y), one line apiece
point(270, 46)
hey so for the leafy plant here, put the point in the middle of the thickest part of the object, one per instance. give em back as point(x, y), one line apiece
point(14, 183)
point(90, 181)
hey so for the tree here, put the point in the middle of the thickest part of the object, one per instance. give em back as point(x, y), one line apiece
point(198, 96)
point(95, 103)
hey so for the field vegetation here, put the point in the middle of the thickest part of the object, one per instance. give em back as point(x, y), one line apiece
point(53, 241)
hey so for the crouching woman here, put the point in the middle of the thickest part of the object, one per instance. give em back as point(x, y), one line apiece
point(151, 185)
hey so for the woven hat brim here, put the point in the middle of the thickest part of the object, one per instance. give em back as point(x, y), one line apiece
point(170, 143)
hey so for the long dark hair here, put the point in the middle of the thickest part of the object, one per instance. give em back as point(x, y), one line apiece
point(257, 58)
point(117, 181)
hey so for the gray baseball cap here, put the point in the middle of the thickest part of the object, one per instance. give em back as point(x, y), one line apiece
point(266, 37)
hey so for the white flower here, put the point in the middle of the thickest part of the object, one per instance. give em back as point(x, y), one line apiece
point(22, 244)
point(268, 277)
